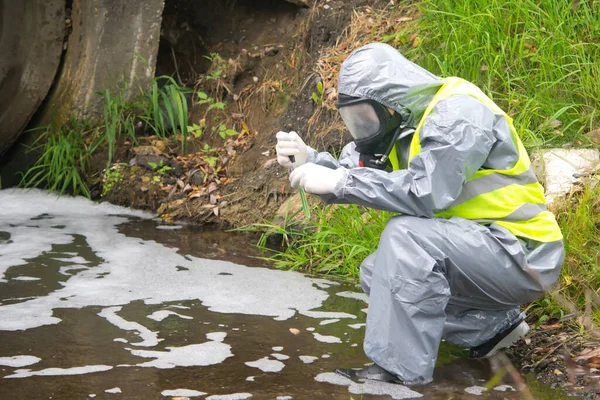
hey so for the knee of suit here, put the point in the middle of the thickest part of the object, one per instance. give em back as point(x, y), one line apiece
point(398, 228)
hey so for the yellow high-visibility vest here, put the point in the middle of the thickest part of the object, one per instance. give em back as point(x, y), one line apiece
point(511, 198)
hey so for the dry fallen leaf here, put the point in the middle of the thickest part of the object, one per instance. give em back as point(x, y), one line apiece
point(588, 354)
point(593, 362)
point(294, 331)
point(557, 372)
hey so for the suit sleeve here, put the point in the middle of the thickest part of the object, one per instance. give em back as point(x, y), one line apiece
point(456, 139)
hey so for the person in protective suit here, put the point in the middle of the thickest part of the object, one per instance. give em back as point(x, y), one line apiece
point(473, 239)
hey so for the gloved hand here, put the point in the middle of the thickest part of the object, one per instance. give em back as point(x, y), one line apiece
point(290, 144)
point(317, 179)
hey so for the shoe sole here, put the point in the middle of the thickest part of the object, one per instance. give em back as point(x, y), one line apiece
point(516, 334)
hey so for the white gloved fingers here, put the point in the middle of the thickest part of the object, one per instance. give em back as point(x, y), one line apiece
point(316, 179)
point(290, 144)
point(285, 136)
point(297, 175)
point(286, 147)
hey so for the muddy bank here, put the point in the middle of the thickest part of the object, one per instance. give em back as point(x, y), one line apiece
point(260, 60)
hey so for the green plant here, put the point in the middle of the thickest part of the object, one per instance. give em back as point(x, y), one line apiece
point(112, 176)
point(217, 68)
point(319, 96)
point(537, 60)
point(159, 168)
point(335, 242)
point(118, 118)
point(165, 109)
point(197, 129)
point(63, 161)
point(224, 131)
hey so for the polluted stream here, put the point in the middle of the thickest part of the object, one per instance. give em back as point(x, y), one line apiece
point(99, 301)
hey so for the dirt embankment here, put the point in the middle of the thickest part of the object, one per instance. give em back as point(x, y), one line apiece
point(260, 59)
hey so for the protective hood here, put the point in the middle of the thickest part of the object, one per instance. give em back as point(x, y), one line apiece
point(379, 72)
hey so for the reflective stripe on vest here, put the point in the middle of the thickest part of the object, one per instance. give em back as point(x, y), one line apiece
point(510, 198)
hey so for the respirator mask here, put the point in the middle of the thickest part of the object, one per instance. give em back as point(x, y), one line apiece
point(374, 128)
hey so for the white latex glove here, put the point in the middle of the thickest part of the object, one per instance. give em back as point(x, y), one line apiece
point(290, 144)
point(317, 179)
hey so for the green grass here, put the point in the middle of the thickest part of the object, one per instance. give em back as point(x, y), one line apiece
point(66, 150)
point(579, 218)
point(164, 109)
point(63, 162)
point(334, 242)
point(538, 60)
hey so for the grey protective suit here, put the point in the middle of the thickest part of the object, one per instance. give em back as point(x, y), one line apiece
point(434, 278)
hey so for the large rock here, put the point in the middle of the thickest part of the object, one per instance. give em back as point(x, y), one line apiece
point(31, 43)
point(114, 43)
point(560, 169)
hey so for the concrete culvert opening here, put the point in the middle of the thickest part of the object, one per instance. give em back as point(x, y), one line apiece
point(194, 30)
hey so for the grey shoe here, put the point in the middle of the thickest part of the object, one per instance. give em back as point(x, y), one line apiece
point(373, 372)
point(501, 341)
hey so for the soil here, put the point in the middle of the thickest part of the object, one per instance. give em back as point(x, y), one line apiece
point(266, 75)
point(556, 355)
point(266, 69)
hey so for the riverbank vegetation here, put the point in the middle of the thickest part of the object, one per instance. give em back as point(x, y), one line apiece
point(538, 61)
point(161, 112)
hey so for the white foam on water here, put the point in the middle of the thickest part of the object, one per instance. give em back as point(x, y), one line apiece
point(149, 337)
point(284, 398)
point(354, 295)
point(354, 345)
point(311, 329)
point(133, 271)
point(169, 227)
point(328, 321)
point(25, 278)
point(327, 339)
point(280, 357)
point(475, 390)
point(250, 379)
point(235, 396)
point(113, 390)
point(266, 365)
point(92, 395)
point(208, 353)
point(88, 369)
point(277, 348)
point(19, 361)
point(162, 314)
point(178, 306)
point(326, 356)
point(216, 336)
point(504, 388)
point(182, 393)
point(396, 391)
point(308, 359)
point(356, 326)
point(119, 339)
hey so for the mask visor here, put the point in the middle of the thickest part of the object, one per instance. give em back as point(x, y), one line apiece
point(361, 120)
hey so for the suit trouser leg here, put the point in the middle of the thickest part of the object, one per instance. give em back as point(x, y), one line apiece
point(434, 278)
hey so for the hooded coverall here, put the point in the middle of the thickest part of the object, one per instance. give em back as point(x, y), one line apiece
point(431, 277)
